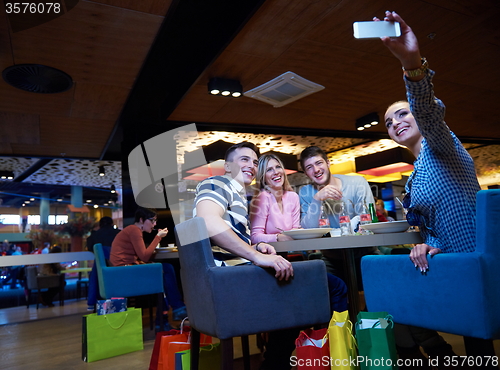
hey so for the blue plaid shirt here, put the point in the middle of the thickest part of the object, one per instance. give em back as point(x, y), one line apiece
point(444, 184)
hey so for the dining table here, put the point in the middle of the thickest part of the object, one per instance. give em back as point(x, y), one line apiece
point(347, 244)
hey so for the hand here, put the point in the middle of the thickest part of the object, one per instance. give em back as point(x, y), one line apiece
point(418, 255)
point(284, 238)
point(162, 232)
point(265, 248)
point(328, 192)
point(404, 47)
point(283, 268)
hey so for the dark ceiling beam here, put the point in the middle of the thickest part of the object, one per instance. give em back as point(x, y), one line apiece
point(30, 171)
point(193, 34)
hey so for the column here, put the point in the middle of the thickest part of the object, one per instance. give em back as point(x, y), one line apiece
point(77, 196)
point(44, 209)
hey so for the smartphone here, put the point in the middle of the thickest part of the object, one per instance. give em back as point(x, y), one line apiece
point(372, 29)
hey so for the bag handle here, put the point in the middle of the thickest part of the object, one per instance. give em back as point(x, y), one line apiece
point(388, 318)
point(349, 328)
point(323, 340)
point(182, 324)
point(119, 326)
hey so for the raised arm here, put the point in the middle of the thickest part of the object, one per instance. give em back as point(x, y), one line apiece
point(426, 108)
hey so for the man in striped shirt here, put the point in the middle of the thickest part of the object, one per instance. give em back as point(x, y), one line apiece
point(221, 201)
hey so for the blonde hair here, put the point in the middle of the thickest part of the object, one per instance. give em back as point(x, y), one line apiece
point(261, 171)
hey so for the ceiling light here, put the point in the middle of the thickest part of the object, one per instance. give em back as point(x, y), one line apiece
point(6, 175)
point(224, 87)
point(371, 119)
point(112, 189)
point(96, 206)
point(59, 199)
point(102, 172)
point(89, 201)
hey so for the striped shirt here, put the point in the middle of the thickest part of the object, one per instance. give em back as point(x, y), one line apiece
point(230, 195)
point(443, 185)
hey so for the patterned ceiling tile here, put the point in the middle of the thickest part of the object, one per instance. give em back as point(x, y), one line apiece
point(85, 172)
point(66, 172)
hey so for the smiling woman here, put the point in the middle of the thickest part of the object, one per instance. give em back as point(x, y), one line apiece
point(276, 207)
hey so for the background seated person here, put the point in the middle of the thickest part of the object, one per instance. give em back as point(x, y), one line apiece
point(128, 248)
point(47, 269)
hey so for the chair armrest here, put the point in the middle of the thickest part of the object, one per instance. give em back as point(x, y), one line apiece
point(454, 290)
point(128, 281)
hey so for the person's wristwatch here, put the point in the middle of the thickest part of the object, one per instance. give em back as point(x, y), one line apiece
point(419, 71)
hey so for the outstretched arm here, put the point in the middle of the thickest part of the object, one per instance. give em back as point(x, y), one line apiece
point(404, 47)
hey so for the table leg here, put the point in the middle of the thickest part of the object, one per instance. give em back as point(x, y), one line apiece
point(352, 282)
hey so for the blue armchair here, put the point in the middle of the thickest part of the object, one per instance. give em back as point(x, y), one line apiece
point(231, 301)
point(129, 281)
point(460, 294)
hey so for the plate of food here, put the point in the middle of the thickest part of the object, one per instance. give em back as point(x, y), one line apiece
point(387, 227)
point(167, 249)
point(308, 233)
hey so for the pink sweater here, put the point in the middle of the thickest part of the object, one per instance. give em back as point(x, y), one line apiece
point(265, 215)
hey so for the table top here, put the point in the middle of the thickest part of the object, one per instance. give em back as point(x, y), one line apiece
point(352, 241)
point(36, 259)
point(165, 255)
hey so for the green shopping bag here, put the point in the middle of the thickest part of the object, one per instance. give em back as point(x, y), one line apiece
point(210, 357)
point(105, 336)
point(376, 343)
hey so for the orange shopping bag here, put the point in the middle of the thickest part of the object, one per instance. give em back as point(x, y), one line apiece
point(171, 344)
point(153, 364)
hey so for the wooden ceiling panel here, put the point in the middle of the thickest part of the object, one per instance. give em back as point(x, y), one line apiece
point(277, 25)
point(68, 137)
point(93, 43)
point(5, 45)
point(15, 100)
point(158, 7)
point(102, 102)
point(19, 128)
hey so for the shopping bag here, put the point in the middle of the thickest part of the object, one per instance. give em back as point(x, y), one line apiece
point(153, 363)
point(312, 351)
point(174, 347)
point(181, 336)
point(170, 344)
point(105, 336)
point(376, 343)
point(210, 358)
point(343, 351)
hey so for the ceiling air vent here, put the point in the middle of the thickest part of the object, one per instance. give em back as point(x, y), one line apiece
point(283, 90)
point(37, 78)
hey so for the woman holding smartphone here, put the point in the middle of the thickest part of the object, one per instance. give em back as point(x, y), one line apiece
point(418, 124)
